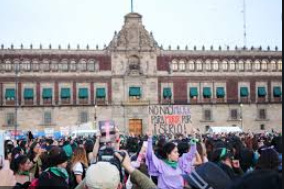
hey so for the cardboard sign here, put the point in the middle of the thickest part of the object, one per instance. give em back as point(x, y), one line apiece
point(169, 119)
point(108, 132)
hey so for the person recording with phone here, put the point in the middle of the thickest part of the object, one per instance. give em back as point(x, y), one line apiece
point(225, 160)
point(34, 155)
point(107, 175)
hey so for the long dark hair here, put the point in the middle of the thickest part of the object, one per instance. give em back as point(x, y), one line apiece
point(160, 147)
point(9, 146)
point(89, 146)
point(16, 152)
point(183, 148)
point(31, 153)
point(20, 160)
point(246, 159)
point(23, 145)
point(168, 149)
point(269, 160)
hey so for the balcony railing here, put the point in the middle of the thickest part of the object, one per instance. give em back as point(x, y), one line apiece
point(133, 102)
point(277, 99)
point(245, 100)
point(47, 102)
point(167, 101)
point(194, 100)
point(261, 100)
point(11, 102)
point(83, 101)
point(29, 102)
point(65, 101)
point(101, 101)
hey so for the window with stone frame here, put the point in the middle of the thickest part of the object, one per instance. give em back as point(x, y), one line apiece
point(135, 94)
point(280, 65)
point(225, 65)
point(44, 67)
point(234, 114)
point(73, 66)
point(10, 119)
point(2, 66)
point(64, 66)
point(35, 66)
point(199, 65)
point(82, 66)
point(47, 118)
point(54, 66)
point(16, 66)
point(8, 65)
point(191, 66)
point(174, 66)
point(232, 65)
point(207, 128)
point(262, 114)
point(262, 127)
point(264, 65)
point(83, 117)
point(167, 93)
point(241, 66)
point(216, 65)
point(134, 64)
point(207, 115)
point(248, 65)
point(257, 65)
point(91, 67)
point(182, 66)
point(208, 65)
point(25, 66)
point(273, 66)
point(97, 66)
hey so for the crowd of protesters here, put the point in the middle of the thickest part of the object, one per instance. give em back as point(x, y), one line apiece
point(197, 161)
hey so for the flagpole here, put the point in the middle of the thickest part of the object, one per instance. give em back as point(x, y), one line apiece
point(245, 22)
point(132, 7)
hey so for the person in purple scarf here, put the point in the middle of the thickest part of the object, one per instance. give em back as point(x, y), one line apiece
point(171, 167)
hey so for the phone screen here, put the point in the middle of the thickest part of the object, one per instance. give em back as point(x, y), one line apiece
point(2, 150)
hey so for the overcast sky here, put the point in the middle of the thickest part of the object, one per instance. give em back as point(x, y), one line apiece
point(175, 22)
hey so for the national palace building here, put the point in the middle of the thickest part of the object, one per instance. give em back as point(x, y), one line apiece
point(55, 87)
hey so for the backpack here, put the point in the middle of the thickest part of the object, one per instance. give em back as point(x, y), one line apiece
point(35, 183)
point(22, 186)
point(72, 182)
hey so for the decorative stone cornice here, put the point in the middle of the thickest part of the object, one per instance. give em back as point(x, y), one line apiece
point(133, 36)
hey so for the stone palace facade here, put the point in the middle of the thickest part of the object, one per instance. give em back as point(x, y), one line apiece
point(54, 88)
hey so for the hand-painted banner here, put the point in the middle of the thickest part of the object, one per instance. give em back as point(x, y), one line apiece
point(170, 119)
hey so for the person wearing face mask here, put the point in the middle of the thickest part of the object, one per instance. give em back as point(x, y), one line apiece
point(21, 167)
point(171, 167)
point(56, 174)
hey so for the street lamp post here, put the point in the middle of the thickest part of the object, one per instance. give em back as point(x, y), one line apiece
point(95, 117)
point(241, 115)
point(16, 98)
